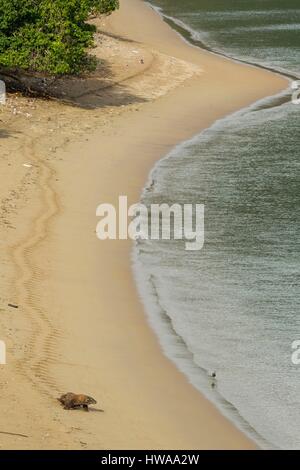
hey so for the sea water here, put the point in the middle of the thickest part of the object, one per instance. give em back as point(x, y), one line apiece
point(233, 307)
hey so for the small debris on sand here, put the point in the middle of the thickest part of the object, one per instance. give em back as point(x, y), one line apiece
point(13, 306)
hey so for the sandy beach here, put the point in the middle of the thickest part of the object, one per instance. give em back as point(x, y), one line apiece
point(80, 325)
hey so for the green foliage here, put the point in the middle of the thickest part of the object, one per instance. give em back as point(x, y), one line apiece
point(49, 35)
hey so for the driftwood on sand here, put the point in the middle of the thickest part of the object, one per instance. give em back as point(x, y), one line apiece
point(78, 90)
point(26, 82)
point(13, 434)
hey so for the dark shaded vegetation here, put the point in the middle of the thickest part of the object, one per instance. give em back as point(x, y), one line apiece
point(42, 41)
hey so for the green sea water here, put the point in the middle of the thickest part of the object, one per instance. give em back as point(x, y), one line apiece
point(233, 307)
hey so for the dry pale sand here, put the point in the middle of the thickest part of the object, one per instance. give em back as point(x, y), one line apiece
point(80, 325)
